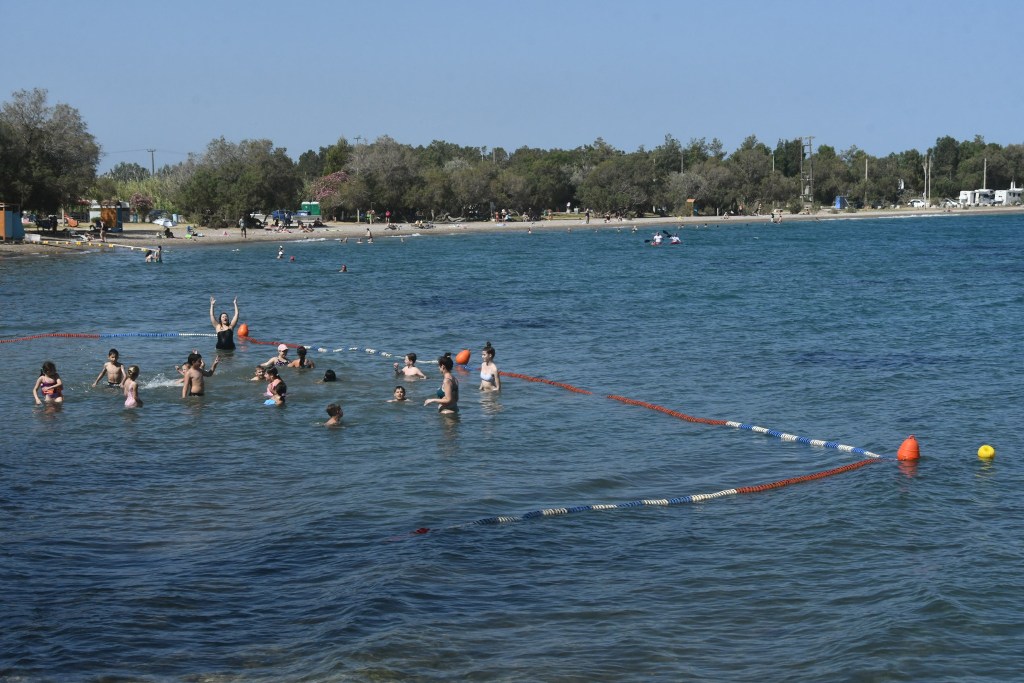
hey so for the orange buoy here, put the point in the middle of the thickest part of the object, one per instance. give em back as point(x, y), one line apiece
point(909, 449)
point(462, 357)
point(243, 330)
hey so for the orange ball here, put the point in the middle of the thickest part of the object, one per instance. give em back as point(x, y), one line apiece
point(243, 330)
point(462, 357)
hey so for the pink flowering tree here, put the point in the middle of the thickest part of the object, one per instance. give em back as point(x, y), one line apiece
point(141, 204)
point(328, 191)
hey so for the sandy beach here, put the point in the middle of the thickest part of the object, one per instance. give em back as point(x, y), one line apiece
point(141, 236)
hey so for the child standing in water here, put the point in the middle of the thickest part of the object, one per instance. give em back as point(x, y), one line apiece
point(112, 369)
point(131, 388)
point(49, 384)
point(409, 370)
point(277, 390)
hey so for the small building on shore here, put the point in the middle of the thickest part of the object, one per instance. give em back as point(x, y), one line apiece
point(1010, 197)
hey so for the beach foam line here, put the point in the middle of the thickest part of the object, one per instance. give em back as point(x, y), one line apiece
point(650, 502)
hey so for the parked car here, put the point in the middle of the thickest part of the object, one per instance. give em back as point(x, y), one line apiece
point(917, 203)
point(948, 203)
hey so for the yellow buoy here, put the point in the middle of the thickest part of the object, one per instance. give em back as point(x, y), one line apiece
point(986, 452)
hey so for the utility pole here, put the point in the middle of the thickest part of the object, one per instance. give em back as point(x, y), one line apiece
point(152, 161)
point(807, 176)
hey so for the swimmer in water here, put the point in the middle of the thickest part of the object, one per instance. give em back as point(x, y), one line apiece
point(329, 376)
point(399, 395)
point(280, 360)
point(277, 390)
point(131, 388)
point(490, 378)
point(258, 376)
point(49, 384)
point(224, 328)
point(112, 369)
point(409, 370)
point(448, 395)
point(193, 381)
point(302, 362)
point(336, 413)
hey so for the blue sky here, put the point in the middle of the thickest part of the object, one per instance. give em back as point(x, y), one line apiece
point(171, 76)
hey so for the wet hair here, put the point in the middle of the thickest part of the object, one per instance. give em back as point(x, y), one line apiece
point(334, 409)
point(411, 357)
point(301, 350)
point(133, 372)
point(400, 387)
point(445, 361)
point(193, 357)
point(113, 352)
point(329, 376)
point(49, 369)
point(489, 349)
point(270, 372)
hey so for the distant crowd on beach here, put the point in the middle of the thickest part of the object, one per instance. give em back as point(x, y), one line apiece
point(49, 387)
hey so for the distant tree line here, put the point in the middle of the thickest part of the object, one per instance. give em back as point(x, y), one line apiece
point(48, 160)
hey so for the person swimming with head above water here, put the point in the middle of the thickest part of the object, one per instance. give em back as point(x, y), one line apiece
point(131, 388)
point(409, 370)
point(280, 360)
point(302, 362)
point(448, 395)
point(225, 328)
point(490, 378)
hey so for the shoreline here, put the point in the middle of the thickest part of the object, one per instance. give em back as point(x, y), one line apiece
point(140, 236)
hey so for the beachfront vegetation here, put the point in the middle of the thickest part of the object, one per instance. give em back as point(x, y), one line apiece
point(48, 157)
point(48, 161)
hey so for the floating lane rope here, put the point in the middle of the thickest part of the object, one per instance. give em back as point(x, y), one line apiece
point(647, 502)
point(551, 512)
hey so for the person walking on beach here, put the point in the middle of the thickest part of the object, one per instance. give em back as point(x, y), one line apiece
point(193, 382)
point(131, 388)
point(448, 395)
point(490, 378)
point(224, 328)
point(49, 384)
point(112, 369)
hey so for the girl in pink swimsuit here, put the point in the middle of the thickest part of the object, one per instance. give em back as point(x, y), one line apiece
point(49, 384)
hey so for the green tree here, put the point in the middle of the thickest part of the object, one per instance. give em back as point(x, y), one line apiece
point(231, 180)
point(126, 172)
point(50, 157)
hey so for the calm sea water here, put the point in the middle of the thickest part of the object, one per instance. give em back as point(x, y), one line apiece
point(222, 540)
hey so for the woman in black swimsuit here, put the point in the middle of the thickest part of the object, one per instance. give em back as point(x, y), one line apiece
point(225, 329)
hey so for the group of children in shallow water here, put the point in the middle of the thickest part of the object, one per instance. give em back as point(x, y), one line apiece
point(49, 387)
